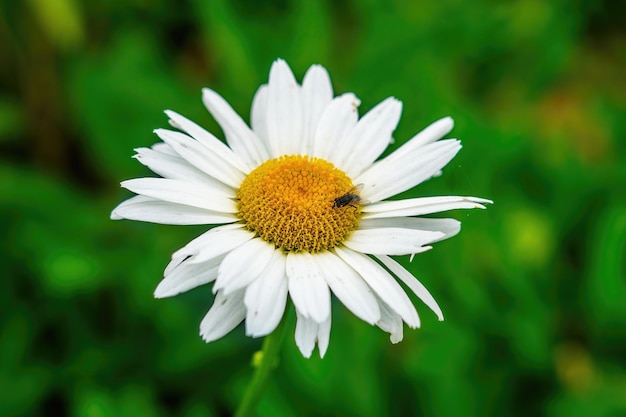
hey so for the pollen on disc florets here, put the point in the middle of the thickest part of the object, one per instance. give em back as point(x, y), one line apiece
point(289, 201)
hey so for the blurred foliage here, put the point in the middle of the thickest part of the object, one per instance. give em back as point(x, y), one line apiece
point(533, 289)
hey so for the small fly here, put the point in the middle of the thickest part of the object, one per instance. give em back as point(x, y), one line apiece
point(349, 199)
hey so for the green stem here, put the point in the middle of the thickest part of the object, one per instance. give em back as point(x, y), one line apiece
point(265, 363)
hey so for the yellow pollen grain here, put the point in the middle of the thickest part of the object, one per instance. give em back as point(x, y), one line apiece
point(289, 201)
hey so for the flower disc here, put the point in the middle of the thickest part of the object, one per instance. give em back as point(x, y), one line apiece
point(290, 202)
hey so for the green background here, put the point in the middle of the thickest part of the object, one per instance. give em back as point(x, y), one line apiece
point(533, 288)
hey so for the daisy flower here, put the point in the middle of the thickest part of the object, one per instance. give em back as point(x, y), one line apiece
point(300, 203)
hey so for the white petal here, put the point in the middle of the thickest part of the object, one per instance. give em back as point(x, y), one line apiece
point(284, 111)
point(390, 322)
point(243, 265)
point(370, 137)
point(338, 118)
point(187, 276)
point(382, 283)
point(266, 297)
point(323, 336)
point(317, 92)
point(217, 162)
point(239, 136)
point(391, 241)
point(206, 139)
point(308, 332)
point(215, 242)
point(165, 149)
point(176, 168)
point(448, 227)
point(432, 133)
point(225, 314)
point(174, 263)
point(420, 206)
point(258, 115)
point(349, 287)
point(307, 287)
point(183, 192)
point(412, 282)
point(147, 209)
point(391, 176)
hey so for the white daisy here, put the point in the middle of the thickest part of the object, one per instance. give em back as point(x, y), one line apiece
point(300, 200)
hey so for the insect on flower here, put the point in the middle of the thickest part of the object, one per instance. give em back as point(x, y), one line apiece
point(350, 198)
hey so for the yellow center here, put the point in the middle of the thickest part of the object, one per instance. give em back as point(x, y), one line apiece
point(299, 203)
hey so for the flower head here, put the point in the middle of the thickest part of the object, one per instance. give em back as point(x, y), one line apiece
point(299, 200)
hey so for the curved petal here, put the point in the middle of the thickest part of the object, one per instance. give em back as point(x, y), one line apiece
point(182, 192)
point(176, 168)
point(206, 139)
point(447, 227)
point(284, 111)
point(243, 265)
point(307, 287)
point(382, 283)
point(165, 149)
point(308, 332)
point(413, 283)
point(421, 206)
point(225, 314)
point(391, 176)
point(317, 92)
point(147, 209)
point(174, 263)
point(336, 120)
point(266, 297)
point(370, 137)
point(215, 242)
point(239, 136)
point(216, 165)
point(349, 287)
point(323, 336)
point(187, 276)
point(391, 241)
point(390, 322)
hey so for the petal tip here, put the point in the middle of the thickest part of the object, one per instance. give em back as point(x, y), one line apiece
point(322, 352)
point(208, 93)
point(161, 292)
